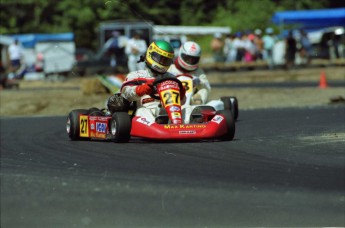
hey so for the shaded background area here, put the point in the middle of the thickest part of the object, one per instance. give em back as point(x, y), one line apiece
point(83, 19)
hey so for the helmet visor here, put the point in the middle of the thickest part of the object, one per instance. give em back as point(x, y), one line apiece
point(190, 59)
point(165, 61)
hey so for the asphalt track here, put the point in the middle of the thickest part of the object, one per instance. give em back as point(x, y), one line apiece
point(285, 167)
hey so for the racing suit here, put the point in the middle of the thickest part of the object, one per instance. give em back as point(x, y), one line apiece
point(201, 85)
point(147, 106)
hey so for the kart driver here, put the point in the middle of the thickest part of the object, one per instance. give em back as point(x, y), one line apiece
point(138, 84)
point(187, 63)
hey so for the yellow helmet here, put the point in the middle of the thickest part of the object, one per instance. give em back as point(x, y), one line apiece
point(159, 56)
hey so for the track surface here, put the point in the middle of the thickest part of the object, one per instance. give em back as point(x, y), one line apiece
point(284, 168)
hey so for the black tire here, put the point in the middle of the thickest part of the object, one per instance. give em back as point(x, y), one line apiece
point(230, 122)
point(72, 123)
point(234, 104)
point(120, 127)
point(231, 103)
point(95, 112)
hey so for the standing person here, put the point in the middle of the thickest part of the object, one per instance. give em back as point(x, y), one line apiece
point(187, 62)
point(259, 43)
point(217, 46)
point(250, 48)
point(135, 48)
point(15, 53)
point(238, 45)
point(306, 49)
point(290, 50)
point(115, 48)
point(138, 84)
point(230, 51)
point(269, 42)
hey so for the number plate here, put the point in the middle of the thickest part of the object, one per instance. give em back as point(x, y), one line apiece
point(171, 97)
point(84, 126)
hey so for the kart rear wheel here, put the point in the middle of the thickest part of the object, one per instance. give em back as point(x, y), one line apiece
point(230, 123)
point(72, 123)
point(120, 127)
point(231, 103)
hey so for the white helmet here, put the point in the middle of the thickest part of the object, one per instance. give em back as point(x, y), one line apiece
point(189, 56)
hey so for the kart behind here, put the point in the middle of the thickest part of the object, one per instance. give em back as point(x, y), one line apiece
point(223, 103)
point(171, 122)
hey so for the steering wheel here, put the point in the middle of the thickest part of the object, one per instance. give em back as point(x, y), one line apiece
point(160, 80)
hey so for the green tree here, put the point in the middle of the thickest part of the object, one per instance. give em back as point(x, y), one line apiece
point(244, 15)
point(302, 4)
point(199, 12)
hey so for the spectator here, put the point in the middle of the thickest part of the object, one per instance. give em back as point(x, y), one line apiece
point(306, 47)
point(135, 48)
point(115, 48)
point(239, 46)
point(250, 48)
point(290, 50)
point(269, 41)
point(39, 64)
point(259, 44)
point(15, 53)
point(229, 49)
point(217, 46)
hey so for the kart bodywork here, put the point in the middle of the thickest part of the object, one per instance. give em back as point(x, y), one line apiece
point(172, 122)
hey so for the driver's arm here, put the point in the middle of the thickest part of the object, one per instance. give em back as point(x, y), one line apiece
point(203, 87)
point(135, 87)
point(128, 92)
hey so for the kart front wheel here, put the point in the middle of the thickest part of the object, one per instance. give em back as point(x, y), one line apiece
point(72, 123)
point(120, 127)
point(231, 103)
point(230, 123)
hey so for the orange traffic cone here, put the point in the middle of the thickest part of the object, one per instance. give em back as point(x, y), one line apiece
point(323, 82)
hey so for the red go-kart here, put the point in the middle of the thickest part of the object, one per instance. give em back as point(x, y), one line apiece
point(203, 123)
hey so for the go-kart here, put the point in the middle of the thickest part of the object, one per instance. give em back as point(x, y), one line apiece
point(223, 103)
point(171, 122)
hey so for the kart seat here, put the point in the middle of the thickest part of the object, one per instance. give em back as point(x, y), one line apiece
point(163, 118)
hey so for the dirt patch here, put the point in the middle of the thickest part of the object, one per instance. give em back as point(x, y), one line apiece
point(58, 97)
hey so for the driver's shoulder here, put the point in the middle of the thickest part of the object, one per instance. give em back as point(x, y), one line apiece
point(198, 72)
point(138, 74)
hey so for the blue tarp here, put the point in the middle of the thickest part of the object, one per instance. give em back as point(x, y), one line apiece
point(29, 40)
point(311, 19)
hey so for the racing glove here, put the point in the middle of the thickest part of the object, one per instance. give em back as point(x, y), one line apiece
point(143, 89)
